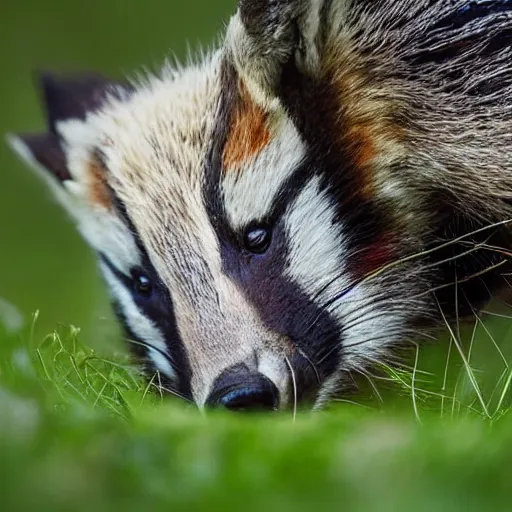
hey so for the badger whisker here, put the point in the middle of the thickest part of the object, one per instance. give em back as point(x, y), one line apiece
point(492, 248)
point(364, 317)
point(428, 252)
point(310, 362)
point(369, 378)
point(491, 337)
point(497, 315)
point(350, 288)
point(346, 348)
point(420, 254)
point(294, 387)
point(173, 392)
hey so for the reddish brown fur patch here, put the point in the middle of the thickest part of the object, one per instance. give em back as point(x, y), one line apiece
point(362, 145)
point(249, 132)
point(374, 256)
point(99, 193)
point(360, 139)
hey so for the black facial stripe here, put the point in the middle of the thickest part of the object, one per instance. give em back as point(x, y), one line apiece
point(146, 263)
point(160, 310)
point(291, 188)
point(120, 207)
point(139, 350)
point(212, 192)
point(127, 282)
point(313, 105)
point(282, 305)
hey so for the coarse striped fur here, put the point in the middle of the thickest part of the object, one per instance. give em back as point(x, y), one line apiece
point(368, 138)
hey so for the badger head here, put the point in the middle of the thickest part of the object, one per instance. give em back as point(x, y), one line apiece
point(260, 217)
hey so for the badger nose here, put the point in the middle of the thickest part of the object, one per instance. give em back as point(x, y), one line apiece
point(242, 391)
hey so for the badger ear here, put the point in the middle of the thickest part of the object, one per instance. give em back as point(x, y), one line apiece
point(64, 99)
point(264, 35)
point(41, 150)
point(73, 97)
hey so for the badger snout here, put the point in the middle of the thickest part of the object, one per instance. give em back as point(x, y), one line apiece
point(239, 389)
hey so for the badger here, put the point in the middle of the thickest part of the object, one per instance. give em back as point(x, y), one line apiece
point(330, 182)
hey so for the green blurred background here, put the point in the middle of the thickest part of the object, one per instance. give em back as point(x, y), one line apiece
point(44, 265)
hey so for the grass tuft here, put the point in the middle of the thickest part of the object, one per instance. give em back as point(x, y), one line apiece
point(82, 430)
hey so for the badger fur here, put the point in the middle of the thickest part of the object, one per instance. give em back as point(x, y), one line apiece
point(334, 180)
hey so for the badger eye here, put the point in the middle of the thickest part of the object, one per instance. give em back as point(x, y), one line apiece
point(142, 285)
point(257, 239)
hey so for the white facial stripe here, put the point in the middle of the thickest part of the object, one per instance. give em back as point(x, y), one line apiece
point(102, 228)
point(315, 242)
point(162, 365)
point(154, 145)
point(249, 194)
point(108, 234)
point(161, 134)
point(316, 255)
point(139, 324)
point(316, 259)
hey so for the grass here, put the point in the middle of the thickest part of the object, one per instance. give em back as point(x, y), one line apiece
point(80, 430)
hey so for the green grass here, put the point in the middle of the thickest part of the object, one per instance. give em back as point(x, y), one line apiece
point(81, 430)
